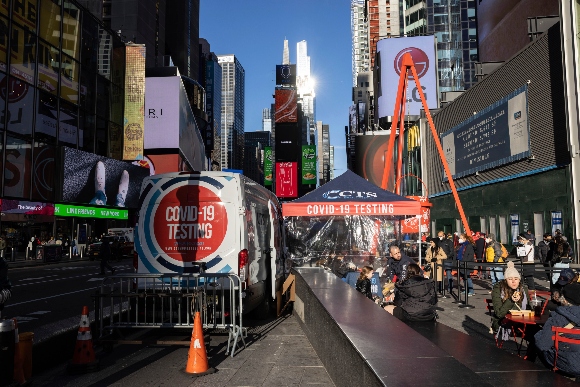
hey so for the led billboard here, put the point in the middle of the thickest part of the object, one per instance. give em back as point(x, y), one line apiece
point(308, 170)
point(287, 180)
point(92, 179)
point(286, 107)
point(286, 75)
point(390, 53)
point(268, 165)
point(287, 142)
point(497, 135)
point(134, 102)
point(370, 157)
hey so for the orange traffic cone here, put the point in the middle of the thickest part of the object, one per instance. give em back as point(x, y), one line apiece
point(18, 371)
point(84, 356)
point(197, 364)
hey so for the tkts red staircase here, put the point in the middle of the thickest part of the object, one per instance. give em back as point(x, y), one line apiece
point(407, 70)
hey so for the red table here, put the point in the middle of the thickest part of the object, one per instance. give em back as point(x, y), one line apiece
point(529, 325)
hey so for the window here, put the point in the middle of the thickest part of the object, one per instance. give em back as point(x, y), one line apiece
point(21, 110)
point(44, 172)
point(492, 228)
point(502, 229)
point(482, 224)
point(538, 226)
point(17, 167)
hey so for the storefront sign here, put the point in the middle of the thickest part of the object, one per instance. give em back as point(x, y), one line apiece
point(90, 212)
point(308, 164)
point(497, 135)
point(556, 221)
point(515, 223)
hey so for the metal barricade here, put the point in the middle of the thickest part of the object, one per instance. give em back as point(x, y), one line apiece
point(170, 301)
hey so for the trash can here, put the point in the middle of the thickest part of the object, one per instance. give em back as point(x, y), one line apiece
point(6, 352)
point(26, 339)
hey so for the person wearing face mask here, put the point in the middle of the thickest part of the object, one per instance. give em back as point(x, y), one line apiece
point(493, 254)
point(526, 255)
point(466, 253)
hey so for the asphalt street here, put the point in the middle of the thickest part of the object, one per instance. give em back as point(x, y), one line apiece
point(49, 299)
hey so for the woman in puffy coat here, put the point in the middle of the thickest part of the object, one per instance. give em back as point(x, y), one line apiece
point(415, 298)
point(436, 254)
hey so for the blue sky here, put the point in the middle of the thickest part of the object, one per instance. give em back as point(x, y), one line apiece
point(254, 30)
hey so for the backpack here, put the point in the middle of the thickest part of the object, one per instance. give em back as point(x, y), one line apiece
point(504, 252)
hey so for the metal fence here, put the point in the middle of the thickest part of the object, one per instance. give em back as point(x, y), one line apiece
point(170, 301)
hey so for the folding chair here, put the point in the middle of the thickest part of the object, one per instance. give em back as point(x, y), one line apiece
point(559, 338)
point(490, 312)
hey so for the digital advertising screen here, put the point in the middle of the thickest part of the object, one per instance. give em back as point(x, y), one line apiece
point(287, 142)
point(286, 107)
point(286, 75)
point(287, 180)
point(370, 157)
point(96, 180)
point(134, 129)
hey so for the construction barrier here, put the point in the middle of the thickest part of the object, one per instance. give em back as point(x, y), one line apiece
point(84, 354)
point(170, 301)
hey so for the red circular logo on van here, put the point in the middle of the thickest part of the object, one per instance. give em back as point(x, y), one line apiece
point(190, 223)
point(420, 60)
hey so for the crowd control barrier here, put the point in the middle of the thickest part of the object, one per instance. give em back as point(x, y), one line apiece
point(170, 301)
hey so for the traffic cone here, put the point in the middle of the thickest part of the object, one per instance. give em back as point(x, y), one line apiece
point(197, 364)
point(84, 356)
point(18, 371)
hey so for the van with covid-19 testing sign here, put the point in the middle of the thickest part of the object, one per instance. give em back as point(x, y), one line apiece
point(222, 220)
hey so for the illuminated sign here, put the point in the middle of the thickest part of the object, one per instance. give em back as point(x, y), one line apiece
point(90, 212)
point(134, 102)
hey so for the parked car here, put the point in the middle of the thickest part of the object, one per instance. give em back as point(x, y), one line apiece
point(120, 247)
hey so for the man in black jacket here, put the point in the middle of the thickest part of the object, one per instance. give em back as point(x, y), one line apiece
point(446, 244)
point(105, 255)
point(398, 263)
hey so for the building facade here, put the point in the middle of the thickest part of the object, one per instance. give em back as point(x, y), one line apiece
point(255, 142)
point(454, 24)
point(266, 120)
point(360, 38)
point(306, 94)
point(233, 94)
point(323, 152)
point(64, 84)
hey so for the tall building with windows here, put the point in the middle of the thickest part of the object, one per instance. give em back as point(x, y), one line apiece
point(323, 151)
point(305, 86)
point(454, 24)
point(233, 94)
point(360, 38)
point(266, 120)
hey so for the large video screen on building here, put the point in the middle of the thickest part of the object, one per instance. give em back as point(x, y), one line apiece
point(370, 157)
point(287, 180)
point(286, 107)
point(287, 142)
point(92, 179)
point(390, 53)
point(286, 75)
point(496, 135)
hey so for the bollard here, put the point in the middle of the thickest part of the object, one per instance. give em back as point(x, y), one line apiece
point(6, 352)
point(26, 339)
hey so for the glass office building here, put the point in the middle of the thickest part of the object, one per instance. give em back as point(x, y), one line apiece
point(62, 85)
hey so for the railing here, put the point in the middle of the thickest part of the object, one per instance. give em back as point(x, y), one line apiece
point(170, 301)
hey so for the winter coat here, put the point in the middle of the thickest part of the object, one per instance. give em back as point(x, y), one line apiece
point(568, 354)
point(543, 249)
point(439, 257)
point(364, 286)
point(501, 308)
point(447, 246)
point(398, 268)
point(480, 246)
point(468, 252)
point(493, 253)
point(417, 297)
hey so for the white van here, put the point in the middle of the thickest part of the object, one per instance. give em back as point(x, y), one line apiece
point(223, 219)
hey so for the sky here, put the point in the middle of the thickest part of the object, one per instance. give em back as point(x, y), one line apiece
point(254, 31)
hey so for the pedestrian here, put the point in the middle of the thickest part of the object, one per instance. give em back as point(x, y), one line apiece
point(465, 253)
point(544, 248)
point(436, 254)
point(493, 254)
point(105, 255)
point(446, 244)
point(415, 298)
point(397, 264)
point(363, 283)
point(73, 244)
point(5, 285)
point(526, 255)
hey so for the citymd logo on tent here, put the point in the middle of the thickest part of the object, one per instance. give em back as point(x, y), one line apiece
point(337, 194)
point(188, 230)
point(420, 60)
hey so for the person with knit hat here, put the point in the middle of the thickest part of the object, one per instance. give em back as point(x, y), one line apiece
point(508, 293)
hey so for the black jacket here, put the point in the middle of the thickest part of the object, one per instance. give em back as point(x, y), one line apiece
point(468, 253)
point(480, 247)
point(447, 246)
point(398, 268)
point(417, 297)
point(364, 286)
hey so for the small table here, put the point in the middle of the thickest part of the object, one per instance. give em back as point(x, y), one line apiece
point(532, 322)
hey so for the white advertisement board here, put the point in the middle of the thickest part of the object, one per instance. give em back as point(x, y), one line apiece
point(390, 53)
point(162, 112)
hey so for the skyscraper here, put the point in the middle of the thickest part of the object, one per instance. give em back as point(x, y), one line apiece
point(266, 120)
point(453, 23)
point(323, 152)
point(233, 94)
point(286, 53)
point(305, 86)
point(360, 38)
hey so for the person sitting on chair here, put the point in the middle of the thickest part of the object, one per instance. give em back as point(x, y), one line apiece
point(508, 294)
point(415, 298)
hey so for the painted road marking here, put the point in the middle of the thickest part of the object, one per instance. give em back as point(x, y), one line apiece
point(47, 298)
point(38, 278)
point(40, 312)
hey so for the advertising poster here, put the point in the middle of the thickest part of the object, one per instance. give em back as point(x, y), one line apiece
point(286, 106)
point(287, 142)
point(286, 75)
point(352, 119)
point(515, 227)
point(23, 53)
point(287, 180)
point(20, 104)
point(90, 212)
point(556, 221)
point(268, 165)
point(497, 135)
point(370, 154)
point(120, 180)
point(18, 169)
point(134, 102)
point(391, 51)
point(308, 172)
point(23, 211)
point(44, 172)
